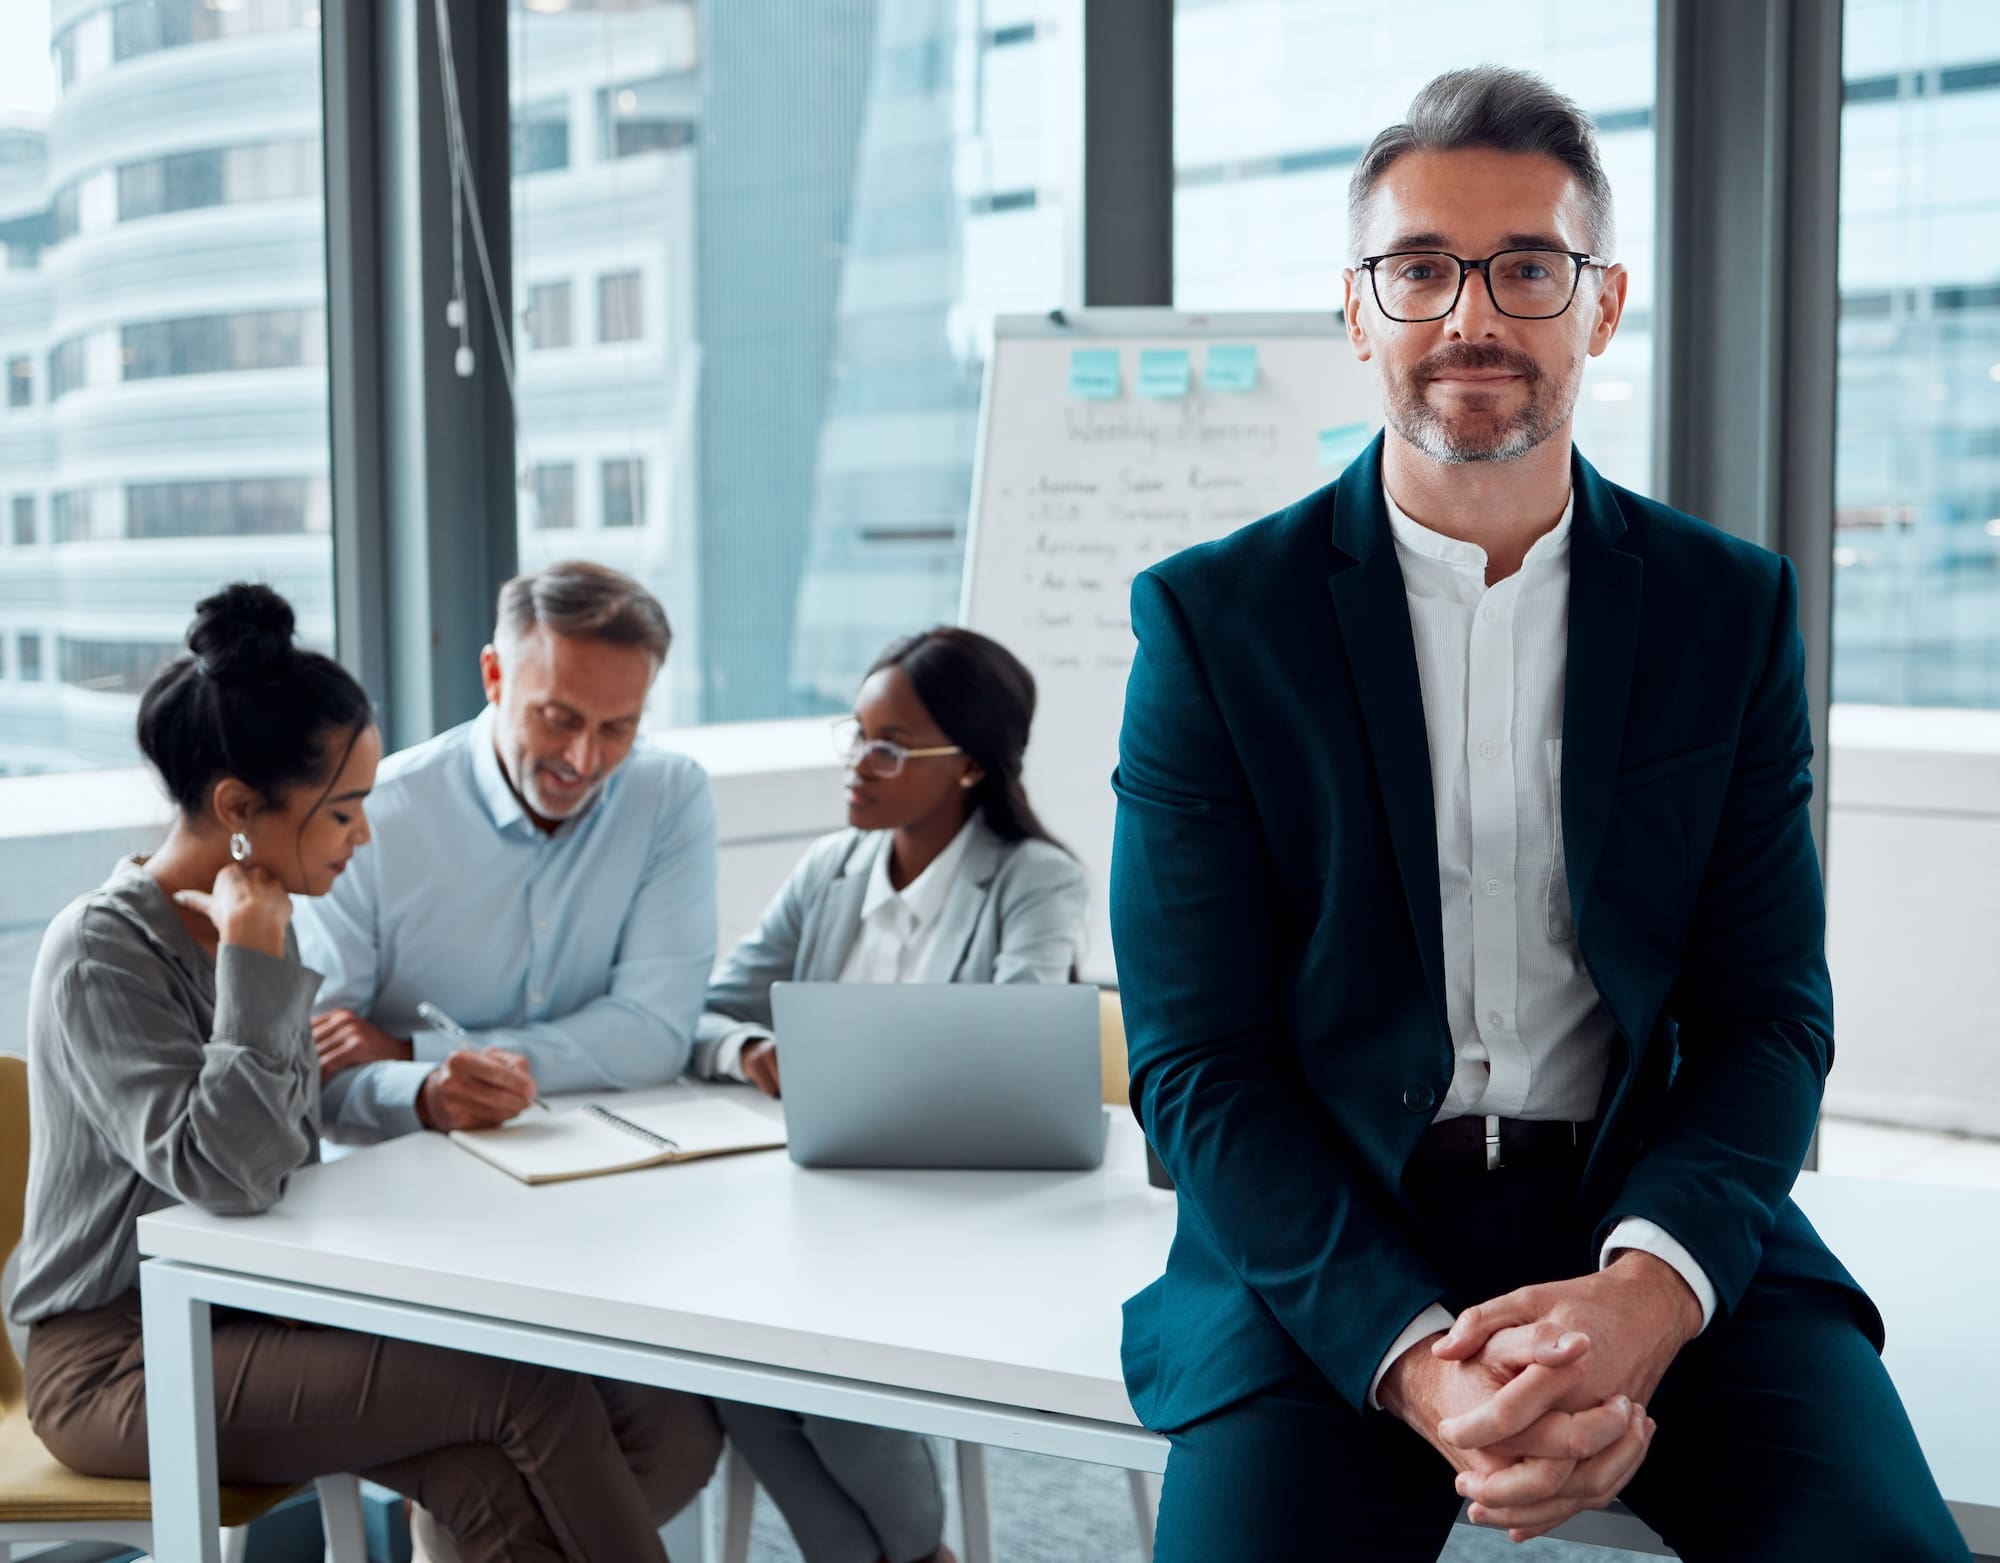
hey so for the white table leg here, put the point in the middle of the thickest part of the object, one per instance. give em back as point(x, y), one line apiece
point(685, 1536)
point(739, 1505)
point(180, 1418)
point(975, 1503)
point(341, 1519)
point(1145, 1507)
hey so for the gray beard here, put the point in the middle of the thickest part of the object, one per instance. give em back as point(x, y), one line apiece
point(1419, 423)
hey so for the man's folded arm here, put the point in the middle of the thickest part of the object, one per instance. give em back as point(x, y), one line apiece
point(1275, 1188)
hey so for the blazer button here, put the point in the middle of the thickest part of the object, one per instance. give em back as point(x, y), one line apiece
point(1420, 1098)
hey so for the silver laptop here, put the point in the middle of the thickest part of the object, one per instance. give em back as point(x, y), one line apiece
point(940, 1074)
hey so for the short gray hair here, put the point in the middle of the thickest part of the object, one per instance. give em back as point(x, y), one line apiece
point(586, 600)
point(1490, 106)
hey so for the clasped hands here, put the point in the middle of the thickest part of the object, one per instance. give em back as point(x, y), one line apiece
point(474, 1088)
point(1538, 1398)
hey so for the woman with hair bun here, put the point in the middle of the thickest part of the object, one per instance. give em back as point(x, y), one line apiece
point(170, 1060)
point(944, 875)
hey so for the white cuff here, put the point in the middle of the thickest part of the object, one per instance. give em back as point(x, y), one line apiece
point(728, 1061)
point(1431, 1321)
point(1649, 1237)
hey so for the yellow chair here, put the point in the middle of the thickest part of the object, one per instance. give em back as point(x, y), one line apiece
point(1111, 1049)
point(41, 1499)
point(739, 1483)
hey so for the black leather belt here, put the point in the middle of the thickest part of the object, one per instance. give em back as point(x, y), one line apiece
point(1493, 1143)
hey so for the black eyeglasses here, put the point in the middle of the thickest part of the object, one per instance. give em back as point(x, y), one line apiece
point(1412, 286)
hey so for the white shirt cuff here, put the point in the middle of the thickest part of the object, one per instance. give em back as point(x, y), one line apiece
point(1649, 1237)
point(728, 1061)
point(1432, 1320)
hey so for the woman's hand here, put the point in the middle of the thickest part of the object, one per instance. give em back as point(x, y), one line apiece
point(249, 906)
point(760, 1063)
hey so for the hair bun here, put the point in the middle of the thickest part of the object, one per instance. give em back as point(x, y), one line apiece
point(244, 630)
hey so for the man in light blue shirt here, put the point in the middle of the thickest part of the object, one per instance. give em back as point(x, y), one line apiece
point(535, 876)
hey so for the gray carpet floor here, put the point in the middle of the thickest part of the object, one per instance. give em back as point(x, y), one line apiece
point(1058, 1511)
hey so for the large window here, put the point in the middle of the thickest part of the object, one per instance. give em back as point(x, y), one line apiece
point(65, 368)
point(788, 228)
point(1914, 836)
point(216, 344)
point(227, 507)
point(552, 485)
point(541, 137)
point(180, 365)
point(73, 516)
point(621, 310)
point(115, 667)
point(1261, 174)
point(547, 319)
point(218, 176)
point(624, 493)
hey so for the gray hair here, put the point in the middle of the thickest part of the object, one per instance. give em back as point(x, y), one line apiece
point(1490, 106)
point(586, 600)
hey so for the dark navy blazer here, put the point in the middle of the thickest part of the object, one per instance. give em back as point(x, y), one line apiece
point(1274, 903)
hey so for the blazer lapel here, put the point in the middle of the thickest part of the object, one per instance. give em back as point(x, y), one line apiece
point(1374, 614)
point(970, 889)
point(838, 924)
point(1604, 596)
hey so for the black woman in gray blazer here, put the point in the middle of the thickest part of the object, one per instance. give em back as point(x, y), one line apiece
point(943, 875)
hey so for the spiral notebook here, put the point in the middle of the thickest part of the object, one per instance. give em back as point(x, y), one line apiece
point(592, 1140)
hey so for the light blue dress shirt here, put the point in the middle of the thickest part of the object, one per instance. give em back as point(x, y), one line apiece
point(585, 950)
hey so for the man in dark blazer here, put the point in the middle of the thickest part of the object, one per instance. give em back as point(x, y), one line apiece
point(1470, 934)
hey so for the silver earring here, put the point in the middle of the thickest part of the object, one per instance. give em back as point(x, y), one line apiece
point(239, 847)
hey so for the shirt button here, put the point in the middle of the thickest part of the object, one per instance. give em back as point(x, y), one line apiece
point(1493, 1019)
point(535, 998)
point(1492, 615)
point(1492, 887)
point(1490, 750)
point(1420, 1098)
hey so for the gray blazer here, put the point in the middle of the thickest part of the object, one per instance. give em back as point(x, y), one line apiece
point(1014, 914)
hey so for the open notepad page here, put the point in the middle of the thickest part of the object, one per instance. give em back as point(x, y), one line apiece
point(600, 1138)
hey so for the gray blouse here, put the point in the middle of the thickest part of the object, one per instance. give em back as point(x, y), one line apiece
point(155, 1077)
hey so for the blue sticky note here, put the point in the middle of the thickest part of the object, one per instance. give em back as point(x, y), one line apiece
point(1230, 367)
point(1164, 371)
point(1337, 447)
point(1094, 374)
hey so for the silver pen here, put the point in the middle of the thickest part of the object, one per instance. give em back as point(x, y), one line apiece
point(451, 1028)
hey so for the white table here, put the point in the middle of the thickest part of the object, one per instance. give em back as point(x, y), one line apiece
point(976, 1306)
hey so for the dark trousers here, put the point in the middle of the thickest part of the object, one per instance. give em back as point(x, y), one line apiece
point(1781, 1439)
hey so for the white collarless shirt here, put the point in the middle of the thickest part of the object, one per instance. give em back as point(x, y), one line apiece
point(898, 927)
point(1530, 1035)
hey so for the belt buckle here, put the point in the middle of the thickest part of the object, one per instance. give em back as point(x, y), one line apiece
point(1493, 1161)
